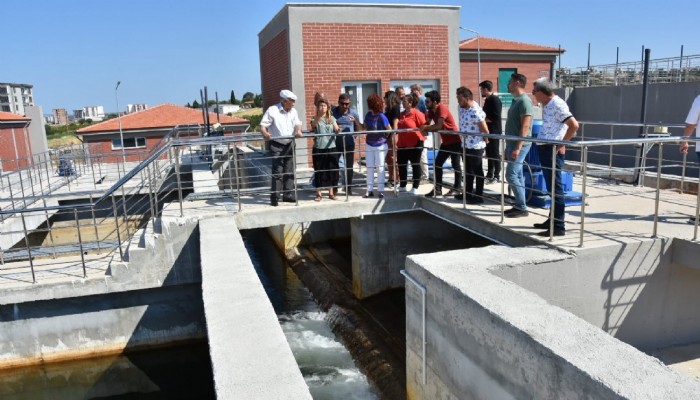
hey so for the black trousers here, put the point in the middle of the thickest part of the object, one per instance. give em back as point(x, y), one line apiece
point(412, 155)
point(474, 170)
point(348, 154)
point(282, 169)
point(494, 159)
point(454, 152)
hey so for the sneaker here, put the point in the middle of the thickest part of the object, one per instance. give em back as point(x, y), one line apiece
point(542, 225)
point(402, 189)
point(516, 213)
point(381, 195)
point(452, 192)
point(476, 200)
point(557, 232)
point(434, 193)
point(413, 191)
point(368, 194)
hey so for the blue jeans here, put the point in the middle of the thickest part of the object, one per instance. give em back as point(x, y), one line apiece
point(545, 153)
point(514, 173)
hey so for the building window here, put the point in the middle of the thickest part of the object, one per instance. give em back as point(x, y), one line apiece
point(129, 143)
point(6, 108)
point(359, 91)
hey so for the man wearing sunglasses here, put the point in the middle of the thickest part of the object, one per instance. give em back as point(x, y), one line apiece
point(349, 123)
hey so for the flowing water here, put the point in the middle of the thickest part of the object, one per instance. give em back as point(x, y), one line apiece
point(327, 366)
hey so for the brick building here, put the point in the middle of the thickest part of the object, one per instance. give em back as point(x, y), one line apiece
point(15, 147)
point(501, 58)
point(143, 130)
point(358, 49)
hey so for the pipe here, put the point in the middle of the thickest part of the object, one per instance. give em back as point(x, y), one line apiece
point(422, 291)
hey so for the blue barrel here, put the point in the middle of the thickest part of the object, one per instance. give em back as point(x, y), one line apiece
point(536, 127)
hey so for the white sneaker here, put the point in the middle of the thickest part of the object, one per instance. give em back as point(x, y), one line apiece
point(413, 191)
point(402, 189)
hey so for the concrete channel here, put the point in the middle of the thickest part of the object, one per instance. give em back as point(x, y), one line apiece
point(490, 312)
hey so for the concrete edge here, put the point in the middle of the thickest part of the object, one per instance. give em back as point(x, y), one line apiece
point(250, 356)
point(557, 334)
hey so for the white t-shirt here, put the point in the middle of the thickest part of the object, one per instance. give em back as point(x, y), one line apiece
point(554, 115)
point(694, 119)
point(469, 119)
point(280, 123)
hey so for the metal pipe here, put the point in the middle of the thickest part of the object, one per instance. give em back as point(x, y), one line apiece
point(294, 168)
point(552, 193)
point(116, 226)
point(583, 194)
point(680, 66)
point(345, 171)
point(177, 177)
point(685, 161)
point(238, 176)
point(29, 248)
point(80, 241)
point(697, 213)
point(150, 192)
point(658, 189)
point(94, 224)
point(464, 173)
point(422, 291)
point(48, 225)
point(503, 181)
point(21, 185)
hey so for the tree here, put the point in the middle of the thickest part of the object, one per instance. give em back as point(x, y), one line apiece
point(195, 104)
point(233, 98)
point(188, 105)
point(258, 100)
point(248, 96)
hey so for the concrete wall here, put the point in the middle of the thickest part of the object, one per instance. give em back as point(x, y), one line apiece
point(292, 235)
point(70, 328)
point(381, 243)
point(250, 356)
point(37, 131)
point(636, 292)
point(667, 103)
point(488, 338)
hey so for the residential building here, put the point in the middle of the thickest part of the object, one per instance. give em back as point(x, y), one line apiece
point(60, 116)
point(143, 130)
point(15, 96)
point(132, 108)
point(226, 108)
point(15, 147)
point(95, 113)
point(501, 58)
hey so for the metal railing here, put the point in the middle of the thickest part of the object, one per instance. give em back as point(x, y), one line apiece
point(179, 170)
point(662, 70)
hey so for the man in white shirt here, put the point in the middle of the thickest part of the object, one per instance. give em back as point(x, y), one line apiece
point(472, 119)
point(691, 123)
point(280, 125)
point(558, 124)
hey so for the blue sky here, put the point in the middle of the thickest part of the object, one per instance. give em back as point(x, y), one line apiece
point(74, 51)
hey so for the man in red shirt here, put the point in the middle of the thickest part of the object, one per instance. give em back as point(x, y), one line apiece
point(450, 146)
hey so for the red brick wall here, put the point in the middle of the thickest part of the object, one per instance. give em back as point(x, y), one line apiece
point(275, 69)
point(334, 53)
point(489, 71)
point(10, 161)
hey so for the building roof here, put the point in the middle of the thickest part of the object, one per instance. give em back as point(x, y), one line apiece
point(10, 117)
point(162, 116)
point(500, 45)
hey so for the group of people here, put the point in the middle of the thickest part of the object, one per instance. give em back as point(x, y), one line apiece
point(414, 116)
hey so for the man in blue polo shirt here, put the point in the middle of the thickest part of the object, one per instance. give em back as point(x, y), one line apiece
point(348, 121)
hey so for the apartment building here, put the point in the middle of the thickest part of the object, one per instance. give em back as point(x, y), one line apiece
point(15, 96)
point(60, 116)
point(132, 108)
point(95, 113)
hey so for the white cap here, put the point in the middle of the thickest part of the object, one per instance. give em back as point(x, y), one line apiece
point(287, 94)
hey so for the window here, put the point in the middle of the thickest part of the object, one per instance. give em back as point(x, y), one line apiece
point(426, 85)
point(358, 92)
point(129, 143)
point(6, 108)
